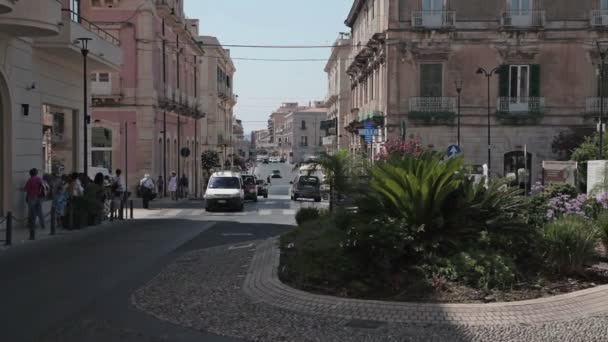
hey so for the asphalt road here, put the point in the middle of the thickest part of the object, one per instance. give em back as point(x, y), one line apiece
point(78, 288)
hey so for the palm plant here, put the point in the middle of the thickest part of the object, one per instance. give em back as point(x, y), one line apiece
point(338, 169)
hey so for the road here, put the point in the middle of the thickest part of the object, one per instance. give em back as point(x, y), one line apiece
point(78, 288)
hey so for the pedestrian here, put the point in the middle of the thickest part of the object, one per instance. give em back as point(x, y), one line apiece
point(268, 180)
point(147, 187)
point(34, 194)
point(60, 199)
point(74, 192)
point(94, 194)
point(160, 183)
point(183, 183)
point(173, 185)
point(118, 193)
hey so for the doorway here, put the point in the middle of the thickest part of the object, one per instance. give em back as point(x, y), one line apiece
point(517, 167)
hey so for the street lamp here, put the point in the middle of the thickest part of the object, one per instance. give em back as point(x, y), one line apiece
point(603, 51)
point(84, 49)
point(488, 75)
point(458, 83)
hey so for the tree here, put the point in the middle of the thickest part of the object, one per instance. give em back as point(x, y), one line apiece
point(209, 160)
point(566, 142)
point(588, 150)
point(338, 170)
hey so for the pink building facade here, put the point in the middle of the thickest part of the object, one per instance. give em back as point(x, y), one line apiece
point(151, 109)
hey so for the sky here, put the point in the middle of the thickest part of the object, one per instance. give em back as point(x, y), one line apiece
point(263, 86)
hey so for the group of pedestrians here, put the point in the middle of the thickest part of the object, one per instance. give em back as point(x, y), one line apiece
point(177, 187)
point(77, 201)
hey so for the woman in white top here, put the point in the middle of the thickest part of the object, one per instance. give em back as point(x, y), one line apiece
point(172, 187)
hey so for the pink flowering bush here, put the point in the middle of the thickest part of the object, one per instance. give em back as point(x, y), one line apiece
point(399, 147)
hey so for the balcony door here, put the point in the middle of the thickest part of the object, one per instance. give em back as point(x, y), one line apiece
point(604, 5)
point(75, 10)
point(519, 87)
point(432, 12)
point(520, 12)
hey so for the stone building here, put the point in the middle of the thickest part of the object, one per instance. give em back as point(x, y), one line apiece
point(338, 96)
point(302, 135)
point(42, 121)
point(411, 56)
point(151, 108)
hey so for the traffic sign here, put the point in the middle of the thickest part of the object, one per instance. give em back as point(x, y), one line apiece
point(454, 150)
point(368, 132)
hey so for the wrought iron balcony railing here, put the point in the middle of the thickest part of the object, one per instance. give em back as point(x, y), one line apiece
point(433, 19)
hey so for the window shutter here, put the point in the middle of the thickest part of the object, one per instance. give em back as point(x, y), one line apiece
point(534, 80)
point(431, 77)
point(503, 80)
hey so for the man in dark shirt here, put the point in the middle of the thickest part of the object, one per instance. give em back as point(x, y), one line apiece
point(34, 193)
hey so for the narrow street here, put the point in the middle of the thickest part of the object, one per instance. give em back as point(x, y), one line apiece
point(79, 289)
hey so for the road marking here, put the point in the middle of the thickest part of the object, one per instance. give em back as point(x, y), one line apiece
point(240, 247)
point(289, 212)
point(237, 234)
point(270, 202)
point(265, 212)
point(172, 212)
point(197, 212)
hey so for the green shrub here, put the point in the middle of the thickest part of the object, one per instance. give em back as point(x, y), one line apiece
point(555, 190)
point(602, 224)
point(570, 243)
point(307, 214)
point(479, 269)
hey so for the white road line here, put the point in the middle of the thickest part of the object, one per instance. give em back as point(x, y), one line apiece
point(196, 212)
point(172, 212)
point(240, 247)
point(289, 212)
point(265, 212)
point(237, 234)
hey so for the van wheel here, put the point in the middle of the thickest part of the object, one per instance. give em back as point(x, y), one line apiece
point(317, 199)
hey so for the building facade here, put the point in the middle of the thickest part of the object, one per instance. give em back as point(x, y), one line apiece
point(151, 108)
point(302, 134)
point(42, 122)
point(338, 100)
point(412, 58)
point(219, 99)
point(277, 120)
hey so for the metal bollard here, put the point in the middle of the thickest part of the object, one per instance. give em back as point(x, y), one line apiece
point(121, 211)
point(112, 210)
point(131, 208)
point(53, 221)
point(9, 229)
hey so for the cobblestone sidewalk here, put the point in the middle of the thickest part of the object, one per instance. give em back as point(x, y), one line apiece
point(204, 290)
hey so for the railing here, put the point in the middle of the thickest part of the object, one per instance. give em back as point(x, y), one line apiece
point(522, 105)
point(598, 18)
point(523, 18)
point(593, 105)
point(433, 19)
point(432, 105)
point(101, 33)
point(363, 34)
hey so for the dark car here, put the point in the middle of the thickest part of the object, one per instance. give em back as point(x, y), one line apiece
point(250, 187)
point(262, 188)
point(306, 187)
point(276, 174)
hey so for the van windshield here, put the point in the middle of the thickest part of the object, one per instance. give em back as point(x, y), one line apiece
point(308, 180)
point(224, 183)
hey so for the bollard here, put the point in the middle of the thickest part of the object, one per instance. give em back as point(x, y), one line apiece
point(53, 221)
point(131, 208)
point(9, 229)
point(33, 230)
point(120, 212)
point(112, 210)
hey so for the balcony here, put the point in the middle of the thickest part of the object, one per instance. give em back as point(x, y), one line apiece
point(105, 53)
point(432, 110)
point(29, 18)
point(523, 19)
point(598, 18)
point(7, 5)
point(521, 105)
point(593, 105)
point(433, 19)
point(330, 141)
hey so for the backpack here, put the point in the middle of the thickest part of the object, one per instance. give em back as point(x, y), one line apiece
point(45, 190)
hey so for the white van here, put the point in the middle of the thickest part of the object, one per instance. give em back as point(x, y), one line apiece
point(225, 190)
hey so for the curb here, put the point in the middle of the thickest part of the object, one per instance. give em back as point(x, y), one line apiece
point(262, 284)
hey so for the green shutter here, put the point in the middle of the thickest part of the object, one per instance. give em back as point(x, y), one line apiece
point(431, 80)
point(534, 80)
point(503, 80)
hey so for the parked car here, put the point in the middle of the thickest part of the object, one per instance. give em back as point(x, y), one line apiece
point(276, 174)
point(262, 188)
point(250, 187)
point(274, 159)
point(225, 190)
point(282, 160)
point(265, 161)
point(304, 186)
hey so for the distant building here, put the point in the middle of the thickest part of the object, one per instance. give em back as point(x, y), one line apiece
point(338, 99)
point(302, 134)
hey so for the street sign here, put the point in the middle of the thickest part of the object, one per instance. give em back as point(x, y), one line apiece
point(185, 152)
point(369, 131)
point(365, 132)
point(454, 150)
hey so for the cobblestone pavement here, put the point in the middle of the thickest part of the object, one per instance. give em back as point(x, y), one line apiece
point(203, 290)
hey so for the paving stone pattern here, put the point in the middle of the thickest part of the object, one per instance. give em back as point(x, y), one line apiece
point(204, 290)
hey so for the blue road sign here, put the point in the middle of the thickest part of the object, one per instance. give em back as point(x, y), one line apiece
point(369, 131)
point(454, 150)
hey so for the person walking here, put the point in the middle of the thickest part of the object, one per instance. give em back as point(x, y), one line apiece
point(147, 187)
point(183, 183)
point(173, 185)
point(118, 194)
point(34, 194)
point(160, 183)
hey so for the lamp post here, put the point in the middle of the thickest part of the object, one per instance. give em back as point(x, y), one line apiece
point(603, 51)
point(458, 83)
point(488, 75)
point(84, 49)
